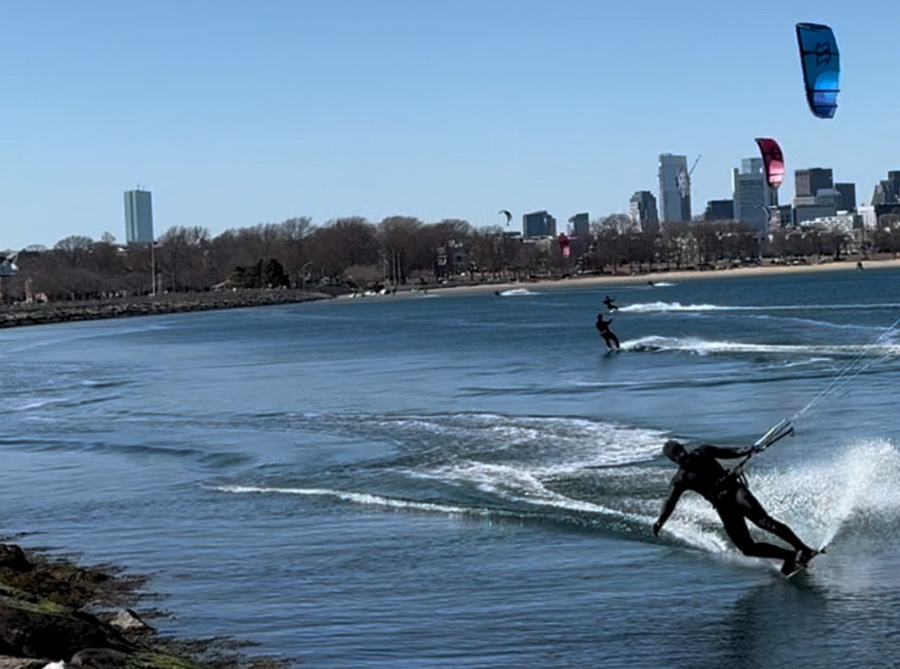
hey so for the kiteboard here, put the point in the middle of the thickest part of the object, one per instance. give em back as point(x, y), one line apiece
point(802, 566)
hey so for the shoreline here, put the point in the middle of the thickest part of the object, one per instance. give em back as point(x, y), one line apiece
point(57, 613)
point(659, 277)
point(20, 314)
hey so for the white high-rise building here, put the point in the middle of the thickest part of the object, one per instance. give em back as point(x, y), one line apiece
point(752, 195)
point(674, 188)
point(138, 217)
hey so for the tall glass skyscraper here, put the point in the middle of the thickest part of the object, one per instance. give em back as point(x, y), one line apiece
point(753, 198)
point(674, 188)
point(138, 217)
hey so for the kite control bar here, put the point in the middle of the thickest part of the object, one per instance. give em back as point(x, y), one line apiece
point(773, 434)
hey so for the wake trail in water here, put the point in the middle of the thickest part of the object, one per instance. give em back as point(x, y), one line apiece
point(827, 500)
point(516, 292)
point(661, 307)
point(360, 498)
point(588, 474)
point(473, 464)
point(698, 346)
point(525, 494)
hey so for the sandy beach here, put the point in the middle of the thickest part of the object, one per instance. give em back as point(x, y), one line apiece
point(668, 276)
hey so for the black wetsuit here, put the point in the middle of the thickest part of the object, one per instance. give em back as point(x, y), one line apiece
point(701, 472)
point(609, 303)
point(606, 333)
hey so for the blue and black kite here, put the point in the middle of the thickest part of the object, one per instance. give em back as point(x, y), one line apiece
point(821, 67)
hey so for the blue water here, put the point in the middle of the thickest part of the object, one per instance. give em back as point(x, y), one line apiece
point(469, 480)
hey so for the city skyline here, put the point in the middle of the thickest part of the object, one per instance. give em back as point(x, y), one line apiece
point(139, 227)
point(251, 115)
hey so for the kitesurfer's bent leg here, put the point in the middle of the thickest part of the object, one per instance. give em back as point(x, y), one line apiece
point(611, 339)
point(755, 513)
point(736, 529)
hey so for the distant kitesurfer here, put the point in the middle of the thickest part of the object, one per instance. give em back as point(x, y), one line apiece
point(610, 303)
point(608, 336)
point(727, 491)
point(859, 264)
point(651, 284)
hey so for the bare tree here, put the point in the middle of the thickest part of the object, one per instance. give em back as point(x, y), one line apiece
point(344, 242)
point(74, 250)
point(293, 242)
point(181, 252)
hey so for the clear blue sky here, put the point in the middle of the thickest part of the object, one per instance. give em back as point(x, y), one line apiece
point(239, 112)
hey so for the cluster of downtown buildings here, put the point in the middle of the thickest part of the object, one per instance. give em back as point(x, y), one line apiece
point(818, 201)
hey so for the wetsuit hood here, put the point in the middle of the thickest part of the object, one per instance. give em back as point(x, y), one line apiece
point(673, 450)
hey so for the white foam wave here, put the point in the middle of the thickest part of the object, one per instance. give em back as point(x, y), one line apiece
point(517, 292)
point(29, 405)
point(659, 306)
point(655, 343)
point(554, 442)
point(365, 499)
point(654, 307)
point(516, 484)
point(826, 496)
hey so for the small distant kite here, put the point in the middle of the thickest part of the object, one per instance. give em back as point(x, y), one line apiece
point(773, 160)
point(507, 214)
point(821, 63)
point(8, 265)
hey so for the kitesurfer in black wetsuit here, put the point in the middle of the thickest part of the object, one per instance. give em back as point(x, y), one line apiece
point(610, 303)
point(699, 470)
point(608, 336)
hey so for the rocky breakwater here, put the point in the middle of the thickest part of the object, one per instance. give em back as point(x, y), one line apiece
point(58, 615)
point(82, 310)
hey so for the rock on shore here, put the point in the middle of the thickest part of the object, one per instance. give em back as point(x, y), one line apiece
point(82, 310)
point(48, 618)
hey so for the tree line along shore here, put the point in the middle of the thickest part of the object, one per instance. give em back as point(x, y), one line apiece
point(401, 252)
point(37, 313)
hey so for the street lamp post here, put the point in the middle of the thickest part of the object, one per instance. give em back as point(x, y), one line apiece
point(152, 268)
point(303, 273)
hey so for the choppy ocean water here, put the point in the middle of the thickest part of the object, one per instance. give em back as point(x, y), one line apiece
point(469, 480)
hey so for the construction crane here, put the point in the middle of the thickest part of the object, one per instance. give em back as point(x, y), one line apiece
point(697, 160)
point(684, 178)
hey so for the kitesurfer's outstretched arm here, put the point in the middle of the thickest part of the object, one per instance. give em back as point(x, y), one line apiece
point(675, 492)
point(721, 453)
